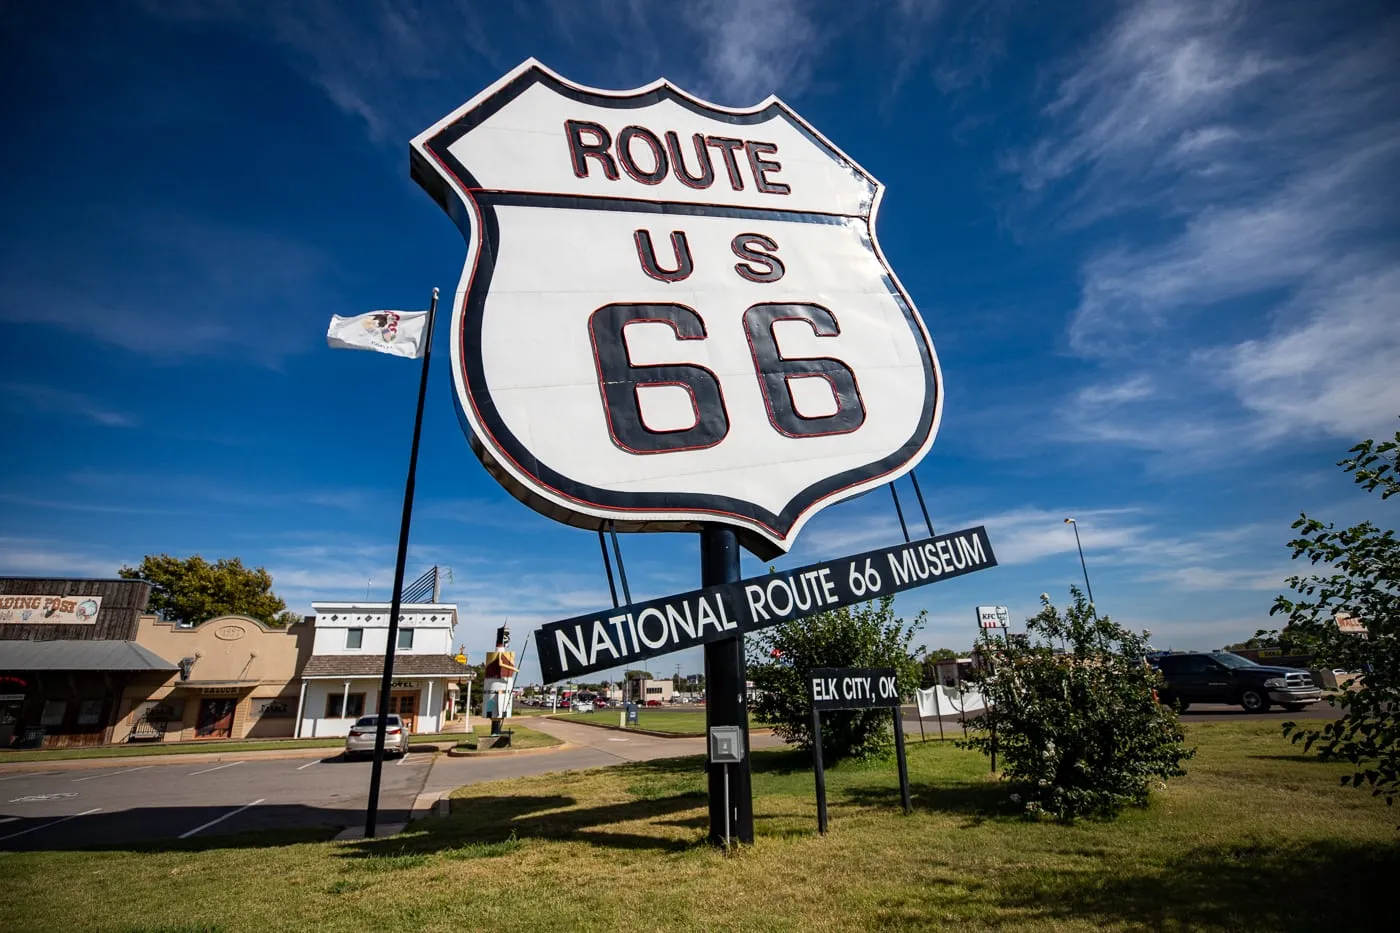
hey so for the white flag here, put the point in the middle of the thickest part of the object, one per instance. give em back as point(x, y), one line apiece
point(399, 333)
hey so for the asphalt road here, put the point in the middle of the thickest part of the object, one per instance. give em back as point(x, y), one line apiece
point(141, 800)
point(77, 804)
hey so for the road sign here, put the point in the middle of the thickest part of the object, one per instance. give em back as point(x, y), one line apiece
point(993, 617)
point(852, 688)
point(618, 637)
point(837, 688)
point(673, 312)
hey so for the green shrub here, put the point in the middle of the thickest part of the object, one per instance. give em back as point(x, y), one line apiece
point(1073, 703)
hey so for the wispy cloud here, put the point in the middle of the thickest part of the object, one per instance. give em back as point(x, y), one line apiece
point(1254, 291)
point(49, 400)
point(170, 287)
point(382, 62)
point(748, 50)
point(34, 556)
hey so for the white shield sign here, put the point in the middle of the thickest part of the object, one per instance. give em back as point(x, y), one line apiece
point(673, 313)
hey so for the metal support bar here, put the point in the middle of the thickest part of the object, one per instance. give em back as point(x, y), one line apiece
point(607, 566)
point(900, 512)
point(919, 494)
point(621, 570)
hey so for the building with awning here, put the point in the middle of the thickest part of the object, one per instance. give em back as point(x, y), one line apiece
point(82, 662)
point(68, 653)
point(342, 678)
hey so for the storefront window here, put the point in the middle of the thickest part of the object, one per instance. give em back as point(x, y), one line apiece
point(54, 711)
point(405, 638)
point(354, 637)
point(89, 712)
point(354, 706)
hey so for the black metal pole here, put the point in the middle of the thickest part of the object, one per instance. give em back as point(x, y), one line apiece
point(900, 512)
point(622, 571)
point(819, 769)
point(607, 567)
point(919, 494)
point(1083, 566)
point(726, 694)
point(903, 762)
point(386, 682)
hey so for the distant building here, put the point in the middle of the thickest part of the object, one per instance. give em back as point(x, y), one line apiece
point(341, 679)
point(659, 690)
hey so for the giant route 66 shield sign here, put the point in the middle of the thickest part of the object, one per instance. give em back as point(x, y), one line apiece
point(673, 313)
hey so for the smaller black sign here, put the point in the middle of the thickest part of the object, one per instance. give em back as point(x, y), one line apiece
point(852, 688)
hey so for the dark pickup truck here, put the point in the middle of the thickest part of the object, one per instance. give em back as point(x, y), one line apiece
point(1222, 677)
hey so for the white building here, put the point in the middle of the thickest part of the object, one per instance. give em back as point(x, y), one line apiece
point(341, 679)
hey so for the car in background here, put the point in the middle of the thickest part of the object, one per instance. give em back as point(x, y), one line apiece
point(1221, 677)
point(360, 739)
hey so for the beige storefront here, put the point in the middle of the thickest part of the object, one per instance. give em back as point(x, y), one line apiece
point(238, 678)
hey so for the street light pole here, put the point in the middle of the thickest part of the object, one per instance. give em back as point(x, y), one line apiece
point(1082, 565)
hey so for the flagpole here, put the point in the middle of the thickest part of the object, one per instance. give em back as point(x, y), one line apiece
point(372, 808)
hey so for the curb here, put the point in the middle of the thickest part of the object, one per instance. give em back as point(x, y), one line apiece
point(763, 730)
point(329, 751)
point(273, 754)
point(455, 752)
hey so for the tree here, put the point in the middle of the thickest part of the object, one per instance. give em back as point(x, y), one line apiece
point(190, 590)
point(1364, 583)
point(865, 635)
point(1291, 641)
point(1078, 726)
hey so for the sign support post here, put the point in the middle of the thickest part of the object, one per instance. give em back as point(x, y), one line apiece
point(820, 769)
point(726, 700)
point(903, 762)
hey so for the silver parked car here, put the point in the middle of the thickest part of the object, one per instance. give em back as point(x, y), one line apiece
point(360, 740)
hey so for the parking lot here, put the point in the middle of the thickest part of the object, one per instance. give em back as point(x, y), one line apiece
point(162, 798)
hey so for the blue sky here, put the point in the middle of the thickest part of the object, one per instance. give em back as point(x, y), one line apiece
point(1155, 245)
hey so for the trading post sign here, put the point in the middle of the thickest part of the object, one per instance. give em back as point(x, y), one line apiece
point(49, 610)
point(673, 313)
point(852, 688)
point(622, 636)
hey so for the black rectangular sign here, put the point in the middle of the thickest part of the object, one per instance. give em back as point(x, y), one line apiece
point(616, 637)
point(852, 688)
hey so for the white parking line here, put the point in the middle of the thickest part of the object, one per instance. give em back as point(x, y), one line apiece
point(26, 774)
point(219, 768)
point(8, 819)
point(309, 764)
point(47, 825)
point(200, 829)
point(93, 777)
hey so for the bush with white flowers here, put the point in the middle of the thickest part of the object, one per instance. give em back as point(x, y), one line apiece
point(1078, 728)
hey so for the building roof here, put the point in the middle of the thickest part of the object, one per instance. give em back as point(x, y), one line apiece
point(368, 665)
point(75, 655)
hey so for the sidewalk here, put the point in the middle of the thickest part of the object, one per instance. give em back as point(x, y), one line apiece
point(174, 758)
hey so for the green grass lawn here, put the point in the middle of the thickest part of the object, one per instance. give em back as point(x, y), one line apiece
point(520, 737)
point(657, 719)
point(192, 748)
point(1254, 838)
